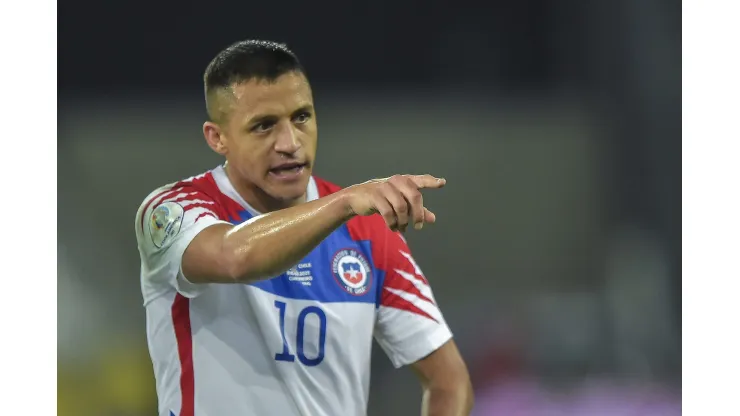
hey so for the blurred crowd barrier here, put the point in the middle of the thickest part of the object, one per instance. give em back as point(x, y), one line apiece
point(585, 398)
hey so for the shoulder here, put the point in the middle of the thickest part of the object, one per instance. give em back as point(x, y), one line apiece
point(203, 184)
point(175, 192)
point(197, 195)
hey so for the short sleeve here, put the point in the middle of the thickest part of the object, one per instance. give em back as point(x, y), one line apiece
point(409, 324)
point(165, 226)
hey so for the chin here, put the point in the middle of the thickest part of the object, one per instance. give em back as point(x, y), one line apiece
point(289, 191)
point(287, 186)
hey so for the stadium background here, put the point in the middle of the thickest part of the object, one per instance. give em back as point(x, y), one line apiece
point(556, 258)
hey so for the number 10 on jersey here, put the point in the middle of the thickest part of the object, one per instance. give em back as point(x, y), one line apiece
point(285, 355)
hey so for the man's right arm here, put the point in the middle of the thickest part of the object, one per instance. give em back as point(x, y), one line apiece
point(268, 245)
point(264, 246)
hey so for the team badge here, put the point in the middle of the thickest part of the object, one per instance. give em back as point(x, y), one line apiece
point(352, 271)
point(165, 223)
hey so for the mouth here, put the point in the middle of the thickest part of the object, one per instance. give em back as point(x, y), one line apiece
point(288, 171)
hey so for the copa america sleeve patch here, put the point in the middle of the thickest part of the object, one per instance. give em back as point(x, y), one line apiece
point(165, 223)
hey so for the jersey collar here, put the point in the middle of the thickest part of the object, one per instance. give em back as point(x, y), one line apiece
point(225, 186)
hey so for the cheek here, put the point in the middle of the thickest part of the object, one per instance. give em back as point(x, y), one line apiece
point(242, 148)
point(309, 137)
point(248, 147)
point(254, 154)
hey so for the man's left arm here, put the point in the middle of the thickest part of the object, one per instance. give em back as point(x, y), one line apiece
point(412, 331)
point(446, 382)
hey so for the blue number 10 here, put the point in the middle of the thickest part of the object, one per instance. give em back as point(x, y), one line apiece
point(285, 355)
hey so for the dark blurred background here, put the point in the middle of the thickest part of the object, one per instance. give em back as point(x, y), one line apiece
point(556, 259)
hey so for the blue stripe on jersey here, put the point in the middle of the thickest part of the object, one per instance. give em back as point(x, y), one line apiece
point(317, 277)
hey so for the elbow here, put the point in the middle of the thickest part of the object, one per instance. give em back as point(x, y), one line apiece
point(463, 391)
point(457, 390)
point(237, 262)
point(234, 267)
point(469, 396)
point(464, 388)
point(245, 264)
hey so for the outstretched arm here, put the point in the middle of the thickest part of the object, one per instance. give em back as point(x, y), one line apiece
point(270, 244)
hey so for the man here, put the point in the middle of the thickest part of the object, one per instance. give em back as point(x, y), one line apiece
point(264, 285)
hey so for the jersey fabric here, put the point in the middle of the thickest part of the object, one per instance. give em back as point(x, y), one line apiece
point(295, 344)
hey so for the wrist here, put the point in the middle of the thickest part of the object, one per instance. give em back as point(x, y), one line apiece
point(344, 204)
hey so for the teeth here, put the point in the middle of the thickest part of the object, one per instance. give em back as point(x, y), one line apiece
point(289, 168)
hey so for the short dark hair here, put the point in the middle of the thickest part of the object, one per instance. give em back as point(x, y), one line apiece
point(246, 60)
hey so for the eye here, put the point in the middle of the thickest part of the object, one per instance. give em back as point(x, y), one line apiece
point(263, 127)
point(303, 117)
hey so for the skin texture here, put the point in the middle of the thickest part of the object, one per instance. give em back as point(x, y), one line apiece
point(445, 381)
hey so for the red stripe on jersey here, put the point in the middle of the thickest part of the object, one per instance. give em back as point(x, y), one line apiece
point(413, 269)
point(201, 187)
point(402, 284)
point(386, 247)
point(175, 192)
point(391, 300)
point(204, 214)
point(227, 209)
point(198, 205)
point(325, 188)
point(188, 197)
point(184, 337)
point(156, 197)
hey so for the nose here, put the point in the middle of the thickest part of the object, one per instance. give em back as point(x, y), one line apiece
point(287, 141)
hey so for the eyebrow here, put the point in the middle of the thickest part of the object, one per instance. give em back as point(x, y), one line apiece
point(261, 118)
point(304, 108)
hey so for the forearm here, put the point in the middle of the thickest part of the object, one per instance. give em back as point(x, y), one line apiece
point(446, 401)
point(271, 244)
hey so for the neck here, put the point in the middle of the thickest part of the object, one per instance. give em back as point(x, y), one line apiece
point(258, 198)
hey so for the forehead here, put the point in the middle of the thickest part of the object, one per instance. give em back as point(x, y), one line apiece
point(283, 95)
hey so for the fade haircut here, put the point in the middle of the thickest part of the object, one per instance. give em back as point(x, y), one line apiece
point(242, 62)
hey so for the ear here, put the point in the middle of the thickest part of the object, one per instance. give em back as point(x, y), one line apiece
point(215, 138)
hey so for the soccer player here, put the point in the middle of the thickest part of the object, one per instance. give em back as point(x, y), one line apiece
point(264, 285)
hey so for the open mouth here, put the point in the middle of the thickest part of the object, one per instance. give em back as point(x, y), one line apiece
point(288, 170)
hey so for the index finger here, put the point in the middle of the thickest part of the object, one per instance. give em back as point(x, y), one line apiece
point(427, 181)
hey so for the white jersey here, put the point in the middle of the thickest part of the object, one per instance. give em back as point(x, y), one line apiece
point(296, 344)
